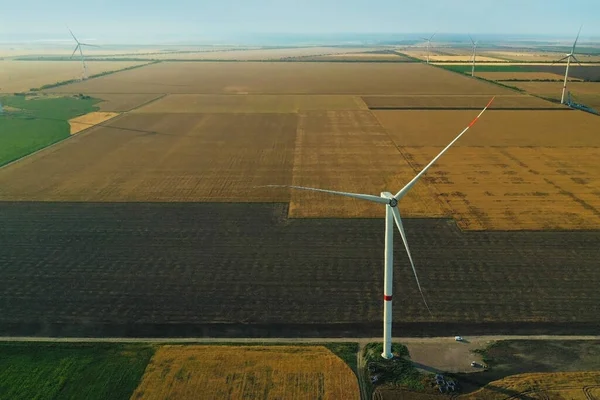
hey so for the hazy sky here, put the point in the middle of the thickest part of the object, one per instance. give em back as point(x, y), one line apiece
point(107, 19)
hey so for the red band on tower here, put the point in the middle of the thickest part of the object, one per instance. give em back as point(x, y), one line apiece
point(387, 298)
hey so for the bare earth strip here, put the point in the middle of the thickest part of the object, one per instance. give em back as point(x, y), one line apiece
point(193, 103)
point(350, 151)
point(20, 76)
point(241, 372)
point(517, 101)
point(89, 120)
point(286, 78)
point(162, 157)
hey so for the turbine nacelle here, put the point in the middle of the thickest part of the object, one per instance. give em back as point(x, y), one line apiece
point(393, 202)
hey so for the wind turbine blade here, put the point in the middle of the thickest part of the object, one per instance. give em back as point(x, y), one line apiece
point(433, 35)
point(472, 41)
point(410, 184)
point(398, 220)
point(575, 58)
point(368, 197)
point(426, 39)
point(562, 59)
point(73, 35)
point(89, 45)
point(576, 39)
point(76, 47)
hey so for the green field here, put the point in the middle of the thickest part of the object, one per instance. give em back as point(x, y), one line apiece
point(71, 371)
point(30, 124)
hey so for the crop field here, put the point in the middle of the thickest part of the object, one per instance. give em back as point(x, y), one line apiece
point(194, 103)
point(512, 173)
point(542, 386)
point(71, 371)
point(285, 78)
point(537, 56)
point(89, 120)
point(585, 72)
point(205, 269)
point(119, 102)
point(381, 56)
point(163, 157)
point(29, 123)
point(523, 76)
point(20, 76)
point(587, 93)
point(247, 372)
point(475, 102)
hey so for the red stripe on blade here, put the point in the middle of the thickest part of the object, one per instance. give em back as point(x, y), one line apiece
point(387, 298)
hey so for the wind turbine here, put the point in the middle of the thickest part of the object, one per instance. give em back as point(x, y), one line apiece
point(568, 58)
point(391, 214)
point(474, 50)
point(428, 44)
point(79, 46)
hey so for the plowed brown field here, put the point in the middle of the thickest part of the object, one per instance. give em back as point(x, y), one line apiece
point(286, 78)
point(123, 102)
point(247, 372)
point(524, 76)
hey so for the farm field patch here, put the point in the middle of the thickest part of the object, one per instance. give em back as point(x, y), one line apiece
point(71, 371)
point(350, 151)
point(285, 78)
point(29, 123)
point(542, 386)
point(515, 188)
point(585, 72)
point(269, 372)
point(587, 93)
point(537, 56)
point(162, 157)
point(120, 102)
point(476, 102)
point(382, 56)
point(89, 120)
point(206, 269)
point(543, 128)
point(193, 103)
point(523, 76)
point(21, 76)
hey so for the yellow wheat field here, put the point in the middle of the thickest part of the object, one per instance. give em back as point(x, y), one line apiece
point(88, 120)
point(543, 386)
point(246, 372)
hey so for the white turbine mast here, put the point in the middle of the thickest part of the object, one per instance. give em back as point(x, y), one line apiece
point(428, 40)
point(80, 46)
point(568, 57)
point(392, 214)
point(474, 53)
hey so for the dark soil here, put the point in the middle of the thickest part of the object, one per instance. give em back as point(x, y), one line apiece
point(226, 270)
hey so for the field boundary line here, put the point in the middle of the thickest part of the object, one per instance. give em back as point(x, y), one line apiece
point(146, 103)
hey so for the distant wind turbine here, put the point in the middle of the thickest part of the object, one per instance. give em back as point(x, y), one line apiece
point(474, 53)
point(568, 57)
point(392, 214)
point(80, 46)
point(428, 40)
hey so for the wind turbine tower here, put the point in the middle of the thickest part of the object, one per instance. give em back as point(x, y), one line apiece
point(428, 40)
point(474, 53)
point(79, 47)
point(392, 215)
point(568, 57)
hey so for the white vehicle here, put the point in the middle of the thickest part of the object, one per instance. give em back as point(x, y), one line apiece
point(458, 338)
